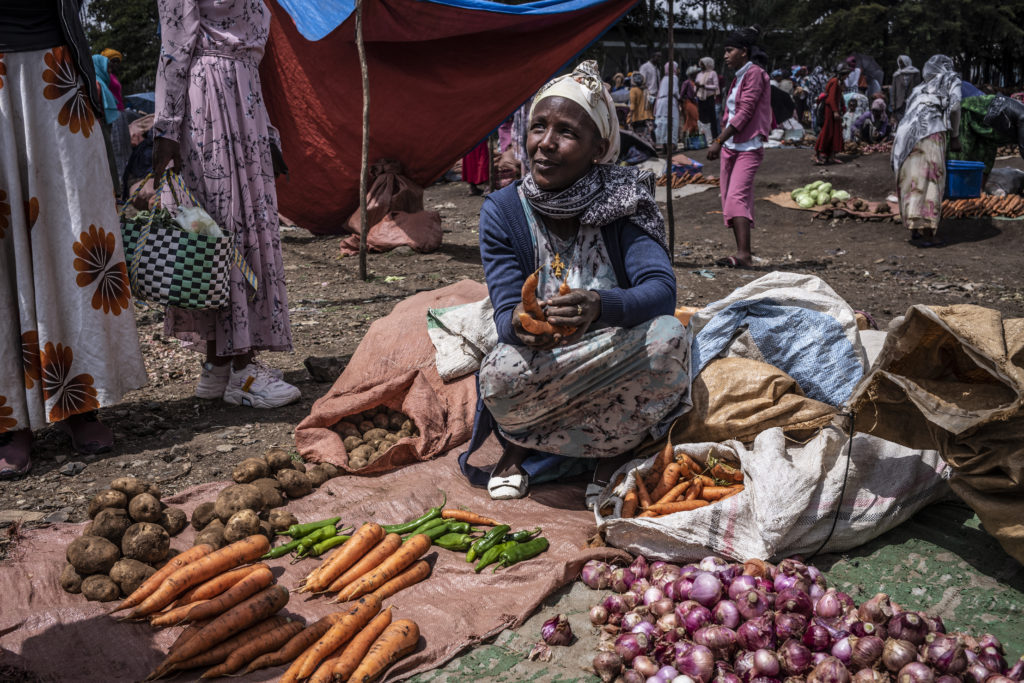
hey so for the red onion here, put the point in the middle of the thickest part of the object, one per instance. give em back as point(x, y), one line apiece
point(631, 676)
point(646, 628)
point(896, 654)
point(598, 615)
point(630, 645)
point(645, 666)
point(818, 657)
point(667, 673)
point(944, 654)
point(816, 591)
point(865, 651)
point(719, 639)
point(556, 630)
point(908, 626)
point(836, 631)
point(817, 638)
point(706, 589)
point(631, 619)
point(712, 564)
point(631, 600)
point(744, 664)
point(752, 603)
point(870, 676)
point(784, 581)
point(794, 600)
point(728, 677)
point(607, 666)
point(621, 579)
point(640, 587)
point(999, 678)
point(681, 588)
point(832, 605)
point(688, 571)
point(667, 622)
point(866, 628)
point(830, 670)
point(795, 658)
point(741, 584)
point(695, 661)
point(1017, 671)
point(948, 679)
point(652, 595)
point(726, 614)
point(661, 570)
point(793, 567)
point(692, 615)
point(615, 604)
point(640, 567)
point(789, 625)
point(990, 657)
point(934, 624)
point(757, 633)
point(989, 640)
point(842, 650)
point(665, 581)
point(596, 574)
point(976, 673)
point(877, 610)
point(915, 672)
point(766, 663)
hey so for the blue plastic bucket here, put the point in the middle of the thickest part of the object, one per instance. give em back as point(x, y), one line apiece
point(963, 179)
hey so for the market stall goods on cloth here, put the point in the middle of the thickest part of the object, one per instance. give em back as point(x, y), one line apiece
point(455, 608)
point(856, 207)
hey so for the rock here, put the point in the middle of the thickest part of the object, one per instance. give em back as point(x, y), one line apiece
point(19, 516)
point(225, 448)
point(61, 459)
point(72, 468)
point(325, 369)
point(56, 516)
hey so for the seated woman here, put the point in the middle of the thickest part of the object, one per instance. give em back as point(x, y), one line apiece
point(623, 372)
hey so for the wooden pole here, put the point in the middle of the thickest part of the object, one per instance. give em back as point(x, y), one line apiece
point(364, 168)
point(492, 170)
point(672, 121)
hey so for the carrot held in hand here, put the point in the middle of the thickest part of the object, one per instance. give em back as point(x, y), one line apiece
point(529, 296)
point(349, 659)
point(380, 552)
point(351, 621)
point(344, 557)
point(411, 550)
point(398, 640)
point(467, 516)
point(411, 576)
point(266, 642)
point(150, 585)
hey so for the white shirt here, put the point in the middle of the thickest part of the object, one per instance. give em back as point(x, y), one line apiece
point(650, 74)
point(730, 106)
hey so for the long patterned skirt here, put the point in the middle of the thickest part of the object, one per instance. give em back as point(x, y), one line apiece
point(68, 342)
point(922, 183)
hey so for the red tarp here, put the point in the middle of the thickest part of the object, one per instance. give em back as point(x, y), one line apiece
point(441, 78)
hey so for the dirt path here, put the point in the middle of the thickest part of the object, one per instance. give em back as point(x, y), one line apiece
point(166, 434)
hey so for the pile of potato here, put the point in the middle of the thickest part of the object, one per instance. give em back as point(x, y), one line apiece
point(255, 503)
point(128, 539)
point(372, 433)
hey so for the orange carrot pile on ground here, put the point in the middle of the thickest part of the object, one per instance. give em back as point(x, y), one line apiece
point(1009, 206)
point(688, 179)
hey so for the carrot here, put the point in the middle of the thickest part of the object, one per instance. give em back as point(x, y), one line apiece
point(187, 633)
point(629, 503)
point(238, 618)
point(733, 490)
point(669, 478)
point(696, 488)
point(382, 551)
point(674, 493)
point(411, 550)
point(646, 513)
point(467, 516)
point(348, 660)
point(207, 566)
point(411, 576)
point(727, 473)
point(679, 506)
point(641, 492)
point(691, 464)
point(150, 585)
point(246, 588)
point(266, 642)
point(217, 585)
point(398, 640)
point(221, 651)
point(294, 647)
point(529, 295)
point(175, 616)
point(344, 557)
point(352, 620)
point(712, 493)
point(705, 480)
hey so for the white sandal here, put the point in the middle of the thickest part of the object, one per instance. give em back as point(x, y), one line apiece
point(510, 487)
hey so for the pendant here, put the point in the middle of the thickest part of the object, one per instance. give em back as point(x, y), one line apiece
point(557, 266)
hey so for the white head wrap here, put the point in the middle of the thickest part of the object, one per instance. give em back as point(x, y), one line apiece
point(585, 87)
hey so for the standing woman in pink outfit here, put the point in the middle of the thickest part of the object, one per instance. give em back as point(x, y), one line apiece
point(212, 124)
point(746, 118)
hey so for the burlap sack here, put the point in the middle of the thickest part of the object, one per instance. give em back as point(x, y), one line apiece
point(389, 191)
point(738, 398)
point(952, 378)
point(394, 366)
point(420, 230)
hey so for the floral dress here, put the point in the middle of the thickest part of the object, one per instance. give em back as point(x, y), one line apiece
point(68, 343)
point(600, 396)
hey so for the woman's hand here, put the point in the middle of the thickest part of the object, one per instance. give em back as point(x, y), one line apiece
point(165, 151)
point(955, 146)
point(541, 342)
point(579, 308)
point(714, 149)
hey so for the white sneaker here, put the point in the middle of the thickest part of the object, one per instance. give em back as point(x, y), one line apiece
point(257, 387)
point(214, 378)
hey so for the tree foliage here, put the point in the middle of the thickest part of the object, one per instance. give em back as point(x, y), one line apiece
point(132, 28)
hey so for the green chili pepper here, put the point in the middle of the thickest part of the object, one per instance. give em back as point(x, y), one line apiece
point(320, 548)
point(454, 541)
point(522, 536)
point(300, 530)
point(429, 524)
point(406, 527)
point(460, 527)
point(437, 532)
point(522, 552)
point(491, 555)
point(490, 539)
point(311, 539)
point(282, 550)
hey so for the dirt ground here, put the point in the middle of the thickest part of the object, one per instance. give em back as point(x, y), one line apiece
point(166, 434)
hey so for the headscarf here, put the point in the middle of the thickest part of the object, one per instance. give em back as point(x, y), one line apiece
point(617, 80)
point(111, 53)
point(928, 107)
point(707, 63)
point(636, 79)
point(585, 87)
point(906, 67)
point(878, 105)
point(672, 64)
point(692, 71)
point(110, 111)
point(815, 83)
point(743, 38)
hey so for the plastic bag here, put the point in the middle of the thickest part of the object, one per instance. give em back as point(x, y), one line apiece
point(1004, 181)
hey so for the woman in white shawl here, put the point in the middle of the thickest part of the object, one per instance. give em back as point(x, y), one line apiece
point(919, 149)
point(668, 96)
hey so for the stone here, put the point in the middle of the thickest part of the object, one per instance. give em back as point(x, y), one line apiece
point(225, 448)
point(61, 459)
point(19, 516)
point(72, 468)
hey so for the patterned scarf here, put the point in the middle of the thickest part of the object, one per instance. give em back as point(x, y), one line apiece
point(604, 195)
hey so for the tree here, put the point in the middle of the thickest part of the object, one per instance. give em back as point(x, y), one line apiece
point(132, 28)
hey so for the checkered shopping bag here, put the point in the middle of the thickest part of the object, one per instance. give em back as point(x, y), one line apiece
point(169, 265)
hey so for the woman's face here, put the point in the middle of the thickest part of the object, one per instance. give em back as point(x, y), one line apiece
point(563, 143)
point(735, 57)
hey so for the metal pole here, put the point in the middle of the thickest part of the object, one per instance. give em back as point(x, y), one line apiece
point(364, 169)
point(672, 80)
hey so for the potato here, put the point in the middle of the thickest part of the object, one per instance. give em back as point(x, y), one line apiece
point(107, 499)
point(378, 454)
point(317, 475)
point(362, 453)
point(357, 463)
point(154, 490)
point(242, 524)
point(130, 486)
point(391, 439)
point(375, 442)
point(408, 426)
point(346, 428)
point(368, 414)
point(145, 507)
point(330, 469)
point(212, 534)
point(403, 434)
point(277, 459)
point(145, 542)
point(375, 433)
point(249, 470)
point(92, 555)
point(173, 520)
point(100, 588)
point(129, 574)
point(238, 497)
point(365, 426)
point(267, 531)
point(299, 466)
point(70, 580)
point(352, 442)
point(271, 491)
point(280, 519)
point(296, 484)
point(202, 516)
point(110, 523)
point(380, 420)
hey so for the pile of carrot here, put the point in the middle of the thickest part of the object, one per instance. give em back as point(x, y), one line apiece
point(678, 483)
point(688, 179)
point(1009, 206)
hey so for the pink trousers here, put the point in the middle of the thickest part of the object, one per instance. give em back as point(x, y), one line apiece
point(737, 170)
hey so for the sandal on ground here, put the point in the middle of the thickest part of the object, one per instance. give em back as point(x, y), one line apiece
point(88, 435)
point(15, 453)
point(509, 487)
point(731, 262)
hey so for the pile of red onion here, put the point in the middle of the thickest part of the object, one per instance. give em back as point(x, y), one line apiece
point(759, 623)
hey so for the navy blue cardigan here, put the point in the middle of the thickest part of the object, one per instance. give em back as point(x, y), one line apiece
point(646, 285)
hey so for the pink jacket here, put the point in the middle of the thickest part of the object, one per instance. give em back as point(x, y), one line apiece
point(753, 106)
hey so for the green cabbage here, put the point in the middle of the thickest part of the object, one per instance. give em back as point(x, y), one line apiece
point(806, 201)
point(825, 187)
point(841, 195)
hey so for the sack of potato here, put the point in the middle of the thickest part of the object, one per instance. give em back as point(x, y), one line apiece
point(128, 539)
point(254, 504)
point(372, 433)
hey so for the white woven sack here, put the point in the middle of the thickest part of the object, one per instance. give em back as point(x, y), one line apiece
point(462, 335)
point(789, 501)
